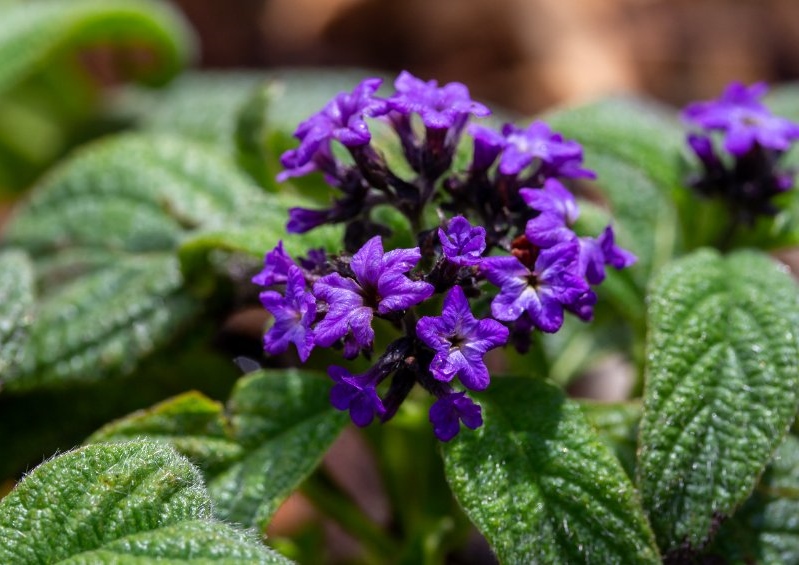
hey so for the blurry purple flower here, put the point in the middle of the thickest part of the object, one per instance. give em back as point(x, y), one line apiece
point(357, 394)
point(462, 244)
point(596, 253)
point(744, 119)
point(460, 341)
point(380, 284)
point(450, 410)
point(440, 108)
point(302, 220)
point(538, 141)
point(558, 210)
point(542, 292)
point(315, 259)
point(488, 144)
point(293, 316)
point(276, 267)
point(583, 307)
point(341, 119)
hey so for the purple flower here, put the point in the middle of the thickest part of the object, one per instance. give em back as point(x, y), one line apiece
point(302, 220)
point(542, 292)
point(450, 410)
point(380, 284)
point(357, 394)
point(440, 108)
point(341, 119)
point(488, 144)
point(538, 141)
point(744, 119)
point(596, 253)
point(583, 307)
point(558, 210)
point(276, 267)
point(462, 244)
point(460, 341)
point(293, 316)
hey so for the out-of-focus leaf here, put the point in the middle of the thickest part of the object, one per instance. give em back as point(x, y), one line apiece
point(541, 486)
point(16, 309)
point(135, 502)
point(721, 388)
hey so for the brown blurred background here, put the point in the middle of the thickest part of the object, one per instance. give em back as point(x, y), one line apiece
point(524, 54)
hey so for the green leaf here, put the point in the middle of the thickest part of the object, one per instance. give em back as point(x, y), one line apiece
point(280, 424)
point(617, 426)
point(47, 100)
point(137, 502)
point(103, 230)
point(541, 486)
point(193, 424)
point(635, 148)
point(16, 309)
point(721, 388)
point(765, 529)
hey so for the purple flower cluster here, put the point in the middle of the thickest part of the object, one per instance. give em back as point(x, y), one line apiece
point(746, 175)
point(523, 242)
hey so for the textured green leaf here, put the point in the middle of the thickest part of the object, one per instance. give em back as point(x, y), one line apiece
point(16, 309)
point(103, 229)
point(280, 424)
point(541, 486)
point(766, 528)
point(617, 426)
point(193, 424)
point(721, 388)
point(635, 147)
point(34, 32)
point(138, 502)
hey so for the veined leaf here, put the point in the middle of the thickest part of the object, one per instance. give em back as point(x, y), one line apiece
point(16, 309)
point(721, 388)
point(103, 230)
point(541, 486)
point(617, 426)
point(765, 529)
point(280, 424)
point(135, 502)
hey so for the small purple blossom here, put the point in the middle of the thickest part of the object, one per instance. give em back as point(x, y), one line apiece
point(596, 253)
point(461, 243)
point(558, 212)
point(302, 220)
point(341, 119)
point(439, 107)
point(380, 285)
point(538, 141)
point(450, 410)
point(293, 316)
point(488, 144)
point(542, 292)
point(276, 267)
point(744, 119)
point(356, 393)
point(460, 341)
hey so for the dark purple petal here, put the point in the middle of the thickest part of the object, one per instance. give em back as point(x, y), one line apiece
point(302, 220)
point(488, 144)
point(548, 230)
point(615, 256)
point(367, 262)
point(461, 243)
point(357, 394)
point(276, 267)
point(293, 316)
point(583, 307)
point(539, 142)
point(592, 260)
point(460, 341)
point(553, 198)
point(346, 311)
point(447, 412)
point(398, 292)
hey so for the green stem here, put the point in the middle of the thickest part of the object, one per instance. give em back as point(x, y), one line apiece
point(331, 502)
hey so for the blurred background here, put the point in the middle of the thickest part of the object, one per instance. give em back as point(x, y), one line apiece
point(524, 54)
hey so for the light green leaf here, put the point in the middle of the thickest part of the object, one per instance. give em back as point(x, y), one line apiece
point(766, 529)
point(617, 426)
point(103, 230)
point(16, 309)
point(138, 502)
point(541, 486)
point(280, 424)
point(721, 388)
point(193, 424)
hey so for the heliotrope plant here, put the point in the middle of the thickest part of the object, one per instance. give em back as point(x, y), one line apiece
point(504, 225)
